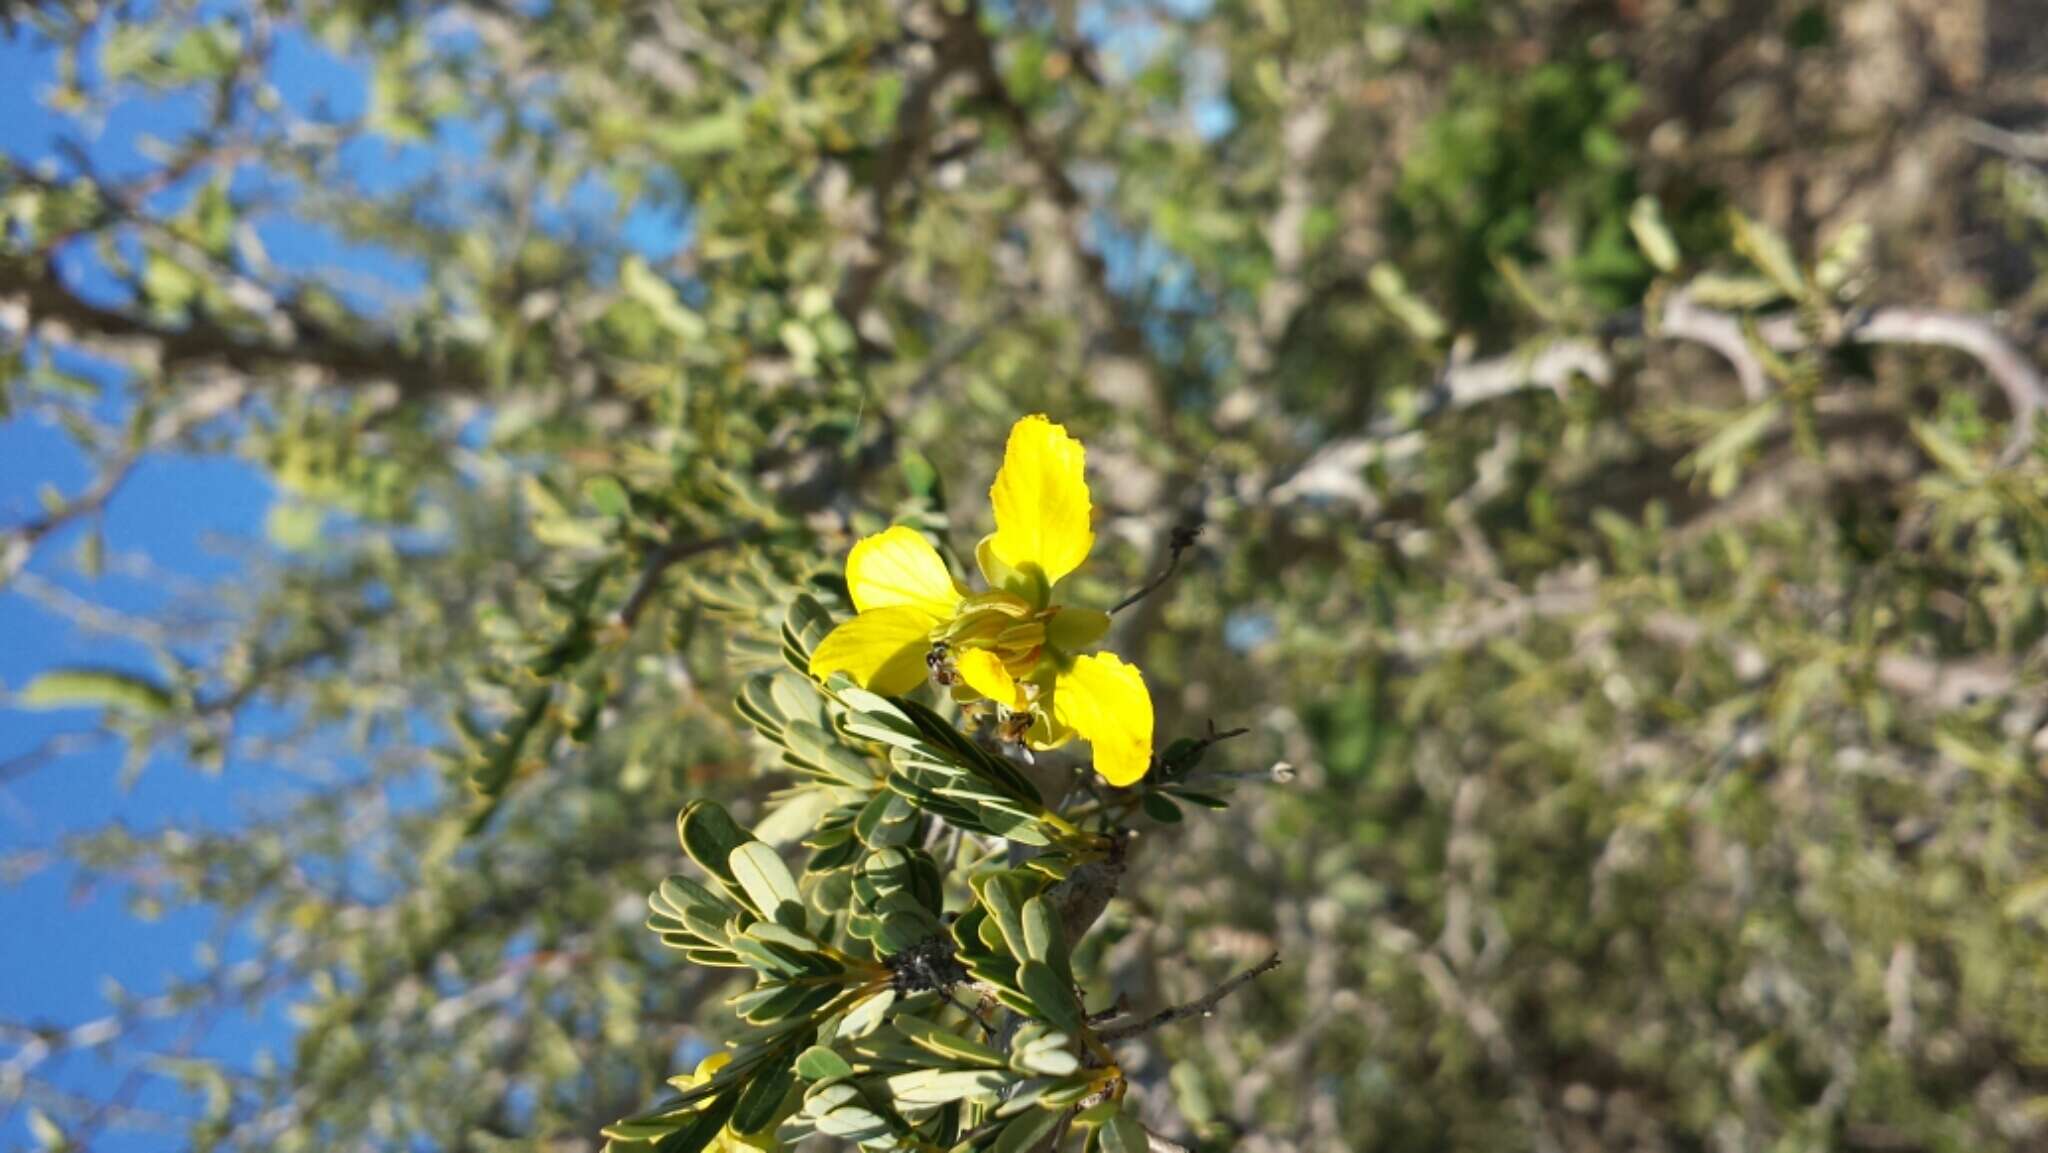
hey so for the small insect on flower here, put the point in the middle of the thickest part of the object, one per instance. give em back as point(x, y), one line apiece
point(1014, 726)
point(1016, 645)
point(939, 666)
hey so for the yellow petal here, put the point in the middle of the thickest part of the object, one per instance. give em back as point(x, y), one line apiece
point(1000, 575)
point(1041, 502)
point(1105, 701)
point(898, 567)
point(995, 601)
point(883, 649)
point(1046, 733)
point(984, 673)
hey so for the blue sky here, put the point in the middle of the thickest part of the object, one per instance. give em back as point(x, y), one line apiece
point(190, 517)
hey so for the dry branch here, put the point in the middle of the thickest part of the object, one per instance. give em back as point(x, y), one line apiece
point(1331, 472)
point(1199, 1007)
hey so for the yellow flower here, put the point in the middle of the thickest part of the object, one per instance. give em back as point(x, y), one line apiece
point(1014, 645)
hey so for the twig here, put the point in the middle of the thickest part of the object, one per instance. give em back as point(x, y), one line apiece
point(899, 166)
point(1199, 1007)
point(1681, 319)
point(1978, 339)
point(1123, 332)
point(1182, 539)
point(91, 502)
point(53, 748)
point(1110, 1014)
point(1178, 769)
point(34, 299)
point(1550, 368)
point(659, 562)
point(957, 349)
point(2031, 147)
point(1332, 471)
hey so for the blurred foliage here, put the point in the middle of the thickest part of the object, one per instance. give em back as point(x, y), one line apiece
point(1643, 754)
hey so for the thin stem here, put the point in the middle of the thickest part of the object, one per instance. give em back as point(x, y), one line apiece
point(1199, 1007)
point(1183, 539)
point(659, 562)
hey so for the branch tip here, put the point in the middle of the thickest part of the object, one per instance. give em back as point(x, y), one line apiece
point(1199, 1007)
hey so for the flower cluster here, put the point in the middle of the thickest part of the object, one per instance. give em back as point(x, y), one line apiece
point(1015, 647)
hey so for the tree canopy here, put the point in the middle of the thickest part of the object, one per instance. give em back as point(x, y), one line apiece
point(1566, 474)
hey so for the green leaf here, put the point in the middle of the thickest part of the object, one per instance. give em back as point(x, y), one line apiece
point(641, 284)
point(1003, 894)
point(722, 131)
point(1206, 800)
point(293, 525)
point(853, 1123)
point(928, 1088)
point(1769, 252)
point(763, 876)
point(887, 819)
point(1737, 293)
point(1844, 257)
point(92, 553)
point(819, 1063)
point(1646, 221)
point(760, 1104)
point(1051, 993)
point(1415, 314)
point(607, 495)
point(838, 1109)
point(681, 892)
point(45, 1130)
point(1953, 458)
point(770, 1004)
point(169, 285)
point(877, 719)
point(779, 956)
point(127, 49)
point(936, 1038)
point(903, 930)
point(1720, 458)
point(794, 815)
point(801, 342)
point(1040, 1050)
point(2028, 901)
point(709, 836)
point(1025, 1131)
point(1191, 1093)
point(1160, 809)
point(1183, 756)
point(819, 750)
point(1042, 938)
point(864, 1017)
point(79, 687)
point(1123, 1134)
point(701, 1131)
point(674, 1131)
point(955, 750)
